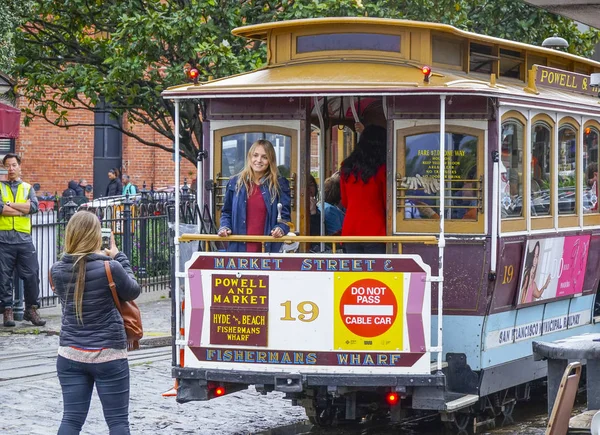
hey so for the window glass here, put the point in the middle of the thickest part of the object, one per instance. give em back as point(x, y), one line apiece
point(567, 158)
point(421, 182)
point(481, 59)
point(234, 149)
point(348, 41)
point(447, 51)
point(6, 146)
point(510, 63)
point(541, 157)
point(590, 171)
point(511, 169)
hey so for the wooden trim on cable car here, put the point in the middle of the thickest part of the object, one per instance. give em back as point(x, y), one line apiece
point(572, 219)
point(547, 221)
point(519, 223)
point(256, 128)
point(592, 218)
point(420, 225)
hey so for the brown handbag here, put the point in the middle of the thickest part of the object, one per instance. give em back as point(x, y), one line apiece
point(132, 317)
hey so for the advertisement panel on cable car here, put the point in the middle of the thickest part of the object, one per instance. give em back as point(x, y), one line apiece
point(317, 313)
point(553, 268)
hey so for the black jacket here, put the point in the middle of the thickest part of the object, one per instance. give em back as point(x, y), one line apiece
point(114, 187)
point(102, 324)
point(74, 189)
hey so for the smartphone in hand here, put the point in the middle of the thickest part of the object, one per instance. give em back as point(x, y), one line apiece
point(106, 237)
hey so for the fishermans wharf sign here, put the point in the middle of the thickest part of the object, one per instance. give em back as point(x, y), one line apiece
point(310, 310)
point(562, 80)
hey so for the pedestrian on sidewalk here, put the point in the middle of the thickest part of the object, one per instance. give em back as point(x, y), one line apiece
point(18, 202)
point(128, 187)
point(93, 343)
point(115, 187)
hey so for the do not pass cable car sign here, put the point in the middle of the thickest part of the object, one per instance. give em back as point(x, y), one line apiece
point(368, 308)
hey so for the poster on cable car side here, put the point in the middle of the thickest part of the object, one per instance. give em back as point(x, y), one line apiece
point(553, 268)
point(317, 311)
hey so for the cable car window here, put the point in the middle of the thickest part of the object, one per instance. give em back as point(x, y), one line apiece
point(541, 170)
point(511, 169)
point(348, 41)
point(481, 59)
point(235, 147)
point(567, 159)
point(510, 63)
point(590, 170)
point(421, 180)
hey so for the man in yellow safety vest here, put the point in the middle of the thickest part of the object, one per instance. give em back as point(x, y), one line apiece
point(17, 203)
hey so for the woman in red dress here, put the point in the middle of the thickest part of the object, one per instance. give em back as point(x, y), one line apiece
point(363, 189)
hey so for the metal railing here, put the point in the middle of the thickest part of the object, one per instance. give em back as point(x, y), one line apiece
point(141, 228)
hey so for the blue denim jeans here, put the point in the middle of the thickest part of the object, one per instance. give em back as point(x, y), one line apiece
point(77, 382)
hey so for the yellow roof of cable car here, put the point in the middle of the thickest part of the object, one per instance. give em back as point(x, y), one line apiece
point(322, 69)
point(314, 77)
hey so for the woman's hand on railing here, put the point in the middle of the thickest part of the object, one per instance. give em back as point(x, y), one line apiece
point(224, 232)
point(277, 232)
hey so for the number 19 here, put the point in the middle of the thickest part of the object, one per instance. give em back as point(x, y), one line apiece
point(306, 314)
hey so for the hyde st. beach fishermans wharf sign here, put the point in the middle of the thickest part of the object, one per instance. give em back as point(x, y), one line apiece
point(320, 312)
point(562, 80)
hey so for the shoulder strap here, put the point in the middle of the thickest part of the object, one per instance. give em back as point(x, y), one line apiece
point(50, 280)
point(112, 285)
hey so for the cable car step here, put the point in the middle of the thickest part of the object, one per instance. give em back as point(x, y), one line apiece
point(434, 366)
point(461, 402)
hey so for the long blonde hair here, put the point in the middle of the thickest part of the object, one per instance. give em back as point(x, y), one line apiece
point(83, 237)
point(246, 175)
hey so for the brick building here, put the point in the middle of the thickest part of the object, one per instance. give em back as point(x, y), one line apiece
point(52, 156)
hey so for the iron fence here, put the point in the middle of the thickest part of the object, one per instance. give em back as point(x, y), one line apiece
point(142, 230)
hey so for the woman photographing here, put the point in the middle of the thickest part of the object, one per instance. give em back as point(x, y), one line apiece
point(251, 201)
point(93, 342)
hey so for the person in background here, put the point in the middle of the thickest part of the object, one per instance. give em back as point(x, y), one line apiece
point(363, 190)
point(334, 215)
point(18, 203)
point(114, 187)
point(93, 342)
point(82, 185)
point(128, 188)
point(313, 198)
point(71, 190)
point(251, 200)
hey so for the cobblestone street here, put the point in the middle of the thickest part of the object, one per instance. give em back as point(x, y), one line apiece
point(32, 404)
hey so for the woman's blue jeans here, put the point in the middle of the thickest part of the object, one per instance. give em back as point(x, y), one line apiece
point(77, 382)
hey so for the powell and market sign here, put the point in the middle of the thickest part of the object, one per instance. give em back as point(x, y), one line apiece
point(559, 79)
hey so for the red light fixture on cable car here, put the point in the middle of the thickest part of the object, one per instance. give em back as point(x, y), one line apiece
point(219, 391)
point(392, 398)
point(426, 70)
point(193, 74)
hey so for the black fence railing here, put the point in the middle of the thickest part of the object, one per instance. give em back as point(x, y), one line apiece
point(142, 227)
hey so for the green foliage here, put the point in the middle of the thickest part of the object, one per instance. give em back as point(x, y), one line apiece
point(128, 51)
point(11, 12)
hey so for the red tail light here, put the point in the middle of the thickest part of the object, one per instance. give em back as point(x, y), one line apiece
point(219, 391)
point(392, 398)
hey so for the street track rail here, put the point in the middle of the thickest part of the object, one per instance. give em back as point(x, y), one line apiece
point(16, 366)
